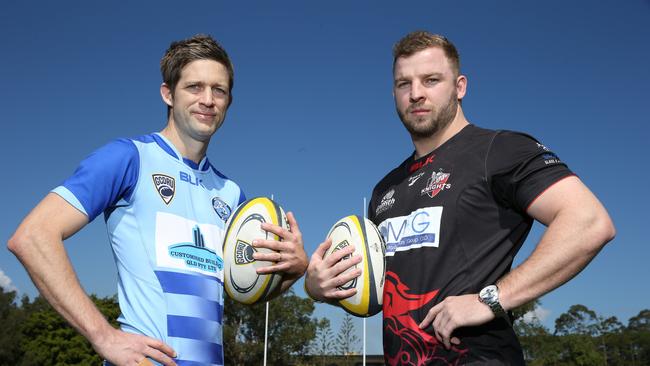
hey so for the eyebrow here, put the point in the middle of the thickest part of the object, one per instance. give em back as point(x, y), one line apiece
point(424, 76)
point(197, 82)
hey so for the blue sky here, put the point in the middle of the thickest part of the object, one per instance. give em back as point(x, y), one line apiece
point(313, 120)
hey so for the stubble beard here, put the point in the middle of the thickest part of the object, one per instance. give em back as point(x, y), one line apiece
point(427, 126)
point(185, 122)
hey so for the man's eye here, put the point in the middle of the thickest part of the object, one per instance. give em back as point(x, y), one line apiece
point(402, 84)
point(219, 91)
point(194, 88)
point(430, 81)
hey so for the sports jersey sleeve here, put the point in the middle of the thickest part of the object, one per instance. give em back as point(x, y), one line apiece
point(519, 169)
point(102, 179)
point(242, 197)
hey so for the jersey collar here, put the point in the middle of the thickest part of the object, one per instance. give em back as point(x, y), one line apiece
point(170, 149)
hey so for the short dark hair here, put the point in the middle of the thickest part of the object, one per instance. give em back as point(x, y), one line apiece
point(421, 40)
point(198, 47)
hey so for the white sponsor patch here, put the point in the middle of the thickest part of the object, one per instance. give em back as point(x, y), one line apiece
point(419, 229)
point(386, 202)
point(187, 245)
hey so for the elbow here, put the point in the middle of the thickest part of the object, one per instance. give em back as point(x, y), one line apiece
point(609, 231)
point(603, 230)
point(16, 243)
point(20, 243)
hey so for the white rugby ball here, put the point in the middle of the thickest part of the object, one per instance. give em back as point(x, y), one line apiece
point(363, 235)
point(241, 281)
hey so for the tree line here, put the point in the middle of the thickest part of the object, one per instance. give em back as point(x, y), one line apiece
point(32, 333)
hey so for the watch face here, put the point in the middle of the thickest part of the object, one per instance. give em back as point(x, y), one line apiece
point(489, 294)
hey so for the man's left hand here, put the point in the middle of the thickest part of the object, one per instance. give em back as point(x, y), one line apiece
point(289, 254)
point(455, 312)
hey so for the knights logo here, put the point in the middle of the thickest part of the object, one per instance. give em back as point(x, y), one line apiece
point(221, 208)
point(165, 186)
point(435, 184)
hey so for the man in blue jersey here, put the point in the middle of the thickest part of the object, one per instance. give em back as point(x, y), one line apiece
point(166, 207)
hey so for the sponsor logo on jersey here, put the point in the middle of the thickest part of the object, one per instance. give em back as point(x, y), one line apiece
point(165, 186)
point(421, 163)
point(386, 202)
point(195, 181)
point(195, 254)
point(186, 245)
point(415, 178)
point(435, 184)
point(419, 229)
point(221, 208)
point(551, 158)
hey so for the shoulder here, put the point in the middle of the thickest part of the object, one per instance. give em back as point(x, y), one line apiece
point(236, 189)
point(393, 177)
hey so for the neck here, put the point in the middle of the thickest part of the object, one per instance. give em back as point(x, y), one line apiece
point(425, 145)
point(188, 147)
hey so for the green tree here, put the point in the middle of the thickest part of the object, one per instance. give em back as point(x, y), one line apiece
point(608, 331)
point(49, 340)
point(347, 341)
point(539, 346)
point(11, 317)
point(578, 320)
point(578, 329)
point(637, 335)
point(322, 346)
point(291, 329)
point(640, 322)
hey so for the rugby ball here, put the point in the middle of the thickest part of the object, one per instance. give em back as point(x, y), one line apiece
point(241, 281)
point(363, 235)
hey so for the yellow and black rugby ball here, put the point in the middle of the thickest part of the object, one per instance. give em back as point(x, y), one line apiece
point(363, 235)
point(241, 281)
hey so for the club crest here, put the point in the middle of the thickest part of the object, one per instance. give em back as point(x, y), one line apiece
point(435, 184)
point(165, 186)
point(243, 253)
point(221, 208)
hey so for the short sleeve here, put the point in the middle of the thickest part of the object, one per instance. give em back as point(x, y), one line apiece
point(242, 197)
point(103, 178)
point(519, 169)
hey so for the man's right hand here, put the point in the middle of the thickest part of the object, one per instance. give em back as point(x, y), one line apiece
point(324, 276)
point(127, 349)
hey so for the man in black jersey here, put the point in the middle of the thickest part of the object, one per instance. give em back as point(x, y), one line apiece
point(454, 214)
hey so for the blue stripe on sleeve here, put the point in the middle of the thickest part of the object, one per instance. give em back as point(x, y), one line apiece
point(70, 198)
point(207, 287)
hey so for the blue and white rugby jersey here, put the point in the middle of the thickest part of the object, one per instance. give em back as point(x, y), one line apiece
point(166, 219)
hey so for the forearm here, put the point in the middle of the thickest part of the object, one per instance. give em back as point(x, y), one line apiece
point(38, 244)
point(49, 267)
point(570, 242)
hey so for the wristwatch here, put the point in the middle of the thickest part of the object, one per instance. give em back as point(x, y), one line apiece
point(489, 295)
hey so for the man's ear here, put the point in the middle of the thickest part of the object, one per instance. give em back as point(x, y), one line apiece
point(461, 86)
point(166, 94)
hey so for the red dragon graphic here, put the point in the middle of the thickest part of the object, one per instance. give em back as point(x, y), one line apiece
point(416, 347)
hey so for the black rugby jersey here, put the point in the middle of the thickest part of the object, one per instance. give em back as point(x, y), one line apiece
point(453, 221)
